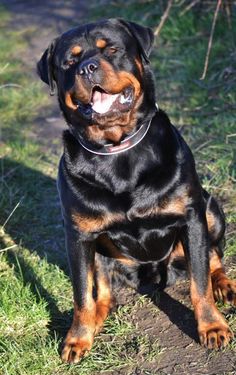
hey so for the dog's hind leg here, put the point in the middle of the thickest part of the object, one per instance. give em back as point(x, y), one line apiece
point(224, 289)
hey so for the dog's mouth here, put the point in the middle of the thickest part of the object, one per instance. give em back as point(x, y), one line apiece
point(104, 103)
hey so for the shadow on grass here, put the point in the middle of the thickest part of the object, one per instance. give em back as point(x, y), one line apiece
point(37, 226)
point(59, 321)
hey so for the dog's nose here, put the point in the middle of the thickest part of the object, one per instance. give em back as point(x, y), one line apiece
point(88, 67)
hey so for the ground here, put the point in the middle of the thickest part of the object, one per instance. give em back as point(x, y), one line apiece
point(155, 334)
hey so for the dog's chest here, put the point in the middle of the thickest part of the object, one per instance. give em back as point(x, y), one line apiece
point(147, 234)
point(144, 240)
point(140, 225)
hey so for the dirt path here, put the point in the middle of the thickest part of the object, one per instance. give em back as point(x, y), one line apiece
point(45, 20)
point(173, 324)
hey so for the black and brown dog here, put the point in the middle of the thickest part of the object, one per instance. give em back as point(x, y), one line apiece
point(131, 199)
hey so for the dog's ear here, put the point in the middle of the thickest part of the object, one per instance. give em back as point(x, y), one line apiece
point(45, 67)
point(144, 36)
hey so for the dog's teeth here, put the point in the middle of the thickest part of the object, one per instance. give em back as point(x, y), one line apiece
point(122, 99)
point(125, 99)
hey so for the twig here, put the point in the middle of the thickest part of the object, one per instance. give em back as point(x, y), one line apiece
point(8, 173)
point(210, 39)
point(181, 3)
point(16, 206)
point(229, 136)
point(230, 233)
point(163, 18)
point(11, 85)
point(188, 7)
point(228, 11)
point(4, 68)
point(8, 248)
point(212, 87)
point(213, 112)
point(202, 146)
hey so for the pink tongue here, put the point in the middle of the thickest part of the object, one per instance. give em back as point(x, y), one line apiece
point(102, 102)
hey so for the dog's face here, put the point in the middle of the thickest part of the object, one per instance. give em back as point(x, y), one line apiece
point(102, 76)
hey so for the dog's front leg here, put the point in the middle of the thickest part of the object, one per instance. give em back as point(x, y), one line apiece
point(213, 330)
point(80, 337)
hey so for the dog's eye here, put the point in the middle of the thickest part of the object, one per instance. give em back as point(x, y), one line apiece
point(112, 50)
point(70, 62)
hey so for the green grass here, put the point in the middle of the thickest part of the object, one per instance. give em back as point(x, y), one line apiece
point(35, 291)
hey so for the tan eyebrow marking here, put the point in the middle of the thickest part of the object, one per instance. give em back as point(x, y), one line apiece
point(76, 50)
point(101, 43)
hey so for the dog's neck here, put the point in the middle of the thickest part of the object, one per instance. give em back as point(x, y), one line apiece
point(126, 144)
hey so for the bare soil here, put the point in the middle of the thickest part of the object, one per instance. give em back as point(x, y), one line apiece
point(172, 324)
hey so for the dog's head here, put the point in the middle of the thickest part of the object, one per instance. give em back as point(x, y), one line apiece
point(103, 79)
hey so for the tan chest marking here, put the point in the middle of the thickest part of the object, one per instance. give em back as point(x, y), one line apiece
point(90, 224)
point(112, 251)
point(173, 206)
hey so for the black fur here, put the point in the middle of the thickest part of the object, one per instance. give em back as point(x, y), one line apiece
point(152, 191)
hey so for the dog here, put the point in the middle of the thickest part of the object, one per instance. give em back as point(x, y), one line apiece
point(133, 208)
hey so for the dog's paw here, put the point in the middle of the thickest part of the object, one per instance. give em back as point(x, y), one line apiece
point(75, 348)
point(215, 335)
point(224, 290)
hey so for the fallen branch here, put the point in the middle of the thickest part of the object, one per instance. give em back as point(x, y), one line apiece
point(163, 18)
point(210, 40)
point(11, 85)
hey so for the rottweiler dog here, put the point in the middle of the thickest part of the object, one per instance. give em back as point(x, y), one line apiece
point(134, 210)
